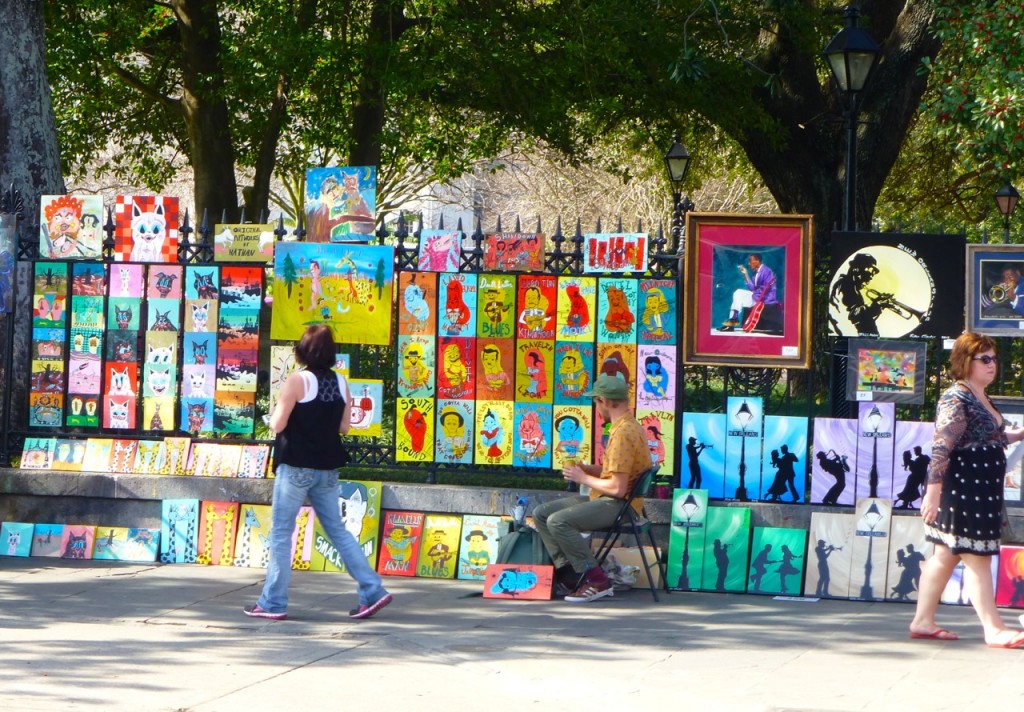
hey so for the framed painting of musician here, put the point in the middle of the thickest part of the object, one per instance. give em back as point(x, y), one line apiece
point(886, 371)
point(995, 289)
point(748, 290)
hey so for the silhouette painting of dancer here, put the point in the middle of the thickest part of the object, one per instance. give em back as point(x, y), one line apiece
point(787, 568)
point(785, 476)
point(834, 464)
point(722, 562)
point(918, 467)
point(905, 586)
point(1018, 592)
point(823, 551)
point(760, 566)
point(693, 451)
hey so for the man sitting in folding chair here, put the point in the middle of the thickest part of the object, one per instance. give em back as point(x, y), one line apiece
point(561, 522)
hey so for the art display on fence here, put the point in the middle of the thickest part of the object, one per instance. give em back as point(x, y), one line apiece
point(70, 227)
point(703, 448)
point(831, 543)
point(457, 304)
point(513, 252)
point(401, 540)
point(873, 517)
point(341, 203)
point(743, 446)
point(748, 290)
point(617, 308)
point(886, 371)
point(876, 423)
point(835, 456)
point(782, 469)
point(49, 321)
point(417, 310)
point(536, 307)
point(893, 285)
point(439, 552)
point(658, 317)
point(577, 307)
point(145, 228)
point(479, 546)
point(247, 242)
point(615, 252)
point(687, 537)
point(440, 250)
point(726, 549)
point(348, 287)
point(777, 561)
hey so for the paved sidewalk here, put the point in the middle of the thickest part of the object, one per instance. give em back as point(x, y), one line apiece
point(108, 637)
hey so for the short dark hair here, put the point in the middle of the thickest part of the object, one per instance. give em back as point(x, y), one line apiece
point(316, 350)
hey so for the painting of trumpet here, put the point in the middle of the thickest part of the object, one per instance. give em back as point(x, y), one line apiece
point(995, 289)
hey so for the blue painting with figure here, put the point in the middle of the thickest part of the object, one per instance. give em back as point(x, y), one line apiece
point(743, 447)
point(783, 460)
point(703, 451)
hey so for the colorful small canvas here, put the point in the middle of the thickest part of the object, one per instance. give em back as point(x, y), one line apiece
point(175, 456)
point(615, 252)
point(456, 304)
point(577, 307)
point(514, 252)
point(454, 431)
point(617, 360)
point(726, 549)
point(656, 377)
point(234, 412)
point(536, 307)
point(243, 243)
point(777, 561)
point(400, 543)
point(835, 455)
point(535, 363)
point(360, 513)
point(77, 541)
point(122, 456)
point(179, 531)
point(686, 539)
point(573, 372)
point(479, 545)
point(518, 581)
point(126, 544)
point(912, 446)
point(703, 446)
point(146, 229)
point(494, 423)
point(218, 522)
point(617, 307)
point(875, 424)
point(659, 320)
point(571, 435)
point(302, 539)
point(416, 369)
point(341, 202)
point(783, 474)
point(496, 369)
point(417, 312)
point(831, 542)
point(252, 543)
point(660, 429)
point(414, 432)
point(147, 456)
point(253, 461)
point(16, 538)
point(47, 540)
point(496, 318)
point(531, 439)
point(97, 455)
point(1009, 580)
point(439, 552)
point(871, 548)
point(367, 407)
point(37, 453)
point(743, 447)
point(908, 550)
point(456, 367)
point(68, 455)
point(70, 227)
point(440, 250)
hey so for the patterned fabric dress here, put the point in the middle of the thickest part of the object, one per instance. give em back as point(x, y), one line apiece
point(970, 508)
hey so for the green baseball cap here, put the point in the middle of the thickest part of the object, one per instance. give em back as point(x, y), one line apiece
point(611, 387)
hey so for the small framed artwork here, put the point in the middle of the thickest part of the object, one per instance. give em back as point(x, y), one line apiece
point(748, 290)
point(1012, 410)
point(995, 289)
point(885, 371)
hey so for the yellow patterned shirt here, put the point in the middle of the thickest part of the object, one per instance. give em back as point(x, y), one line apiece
point(626, 453)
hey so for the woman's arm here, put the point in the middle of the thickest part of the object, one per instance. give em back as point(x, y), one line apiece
point(292, 391)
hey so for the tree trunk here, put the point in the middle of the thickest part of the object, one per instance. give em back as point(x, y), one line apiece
point(205, 111)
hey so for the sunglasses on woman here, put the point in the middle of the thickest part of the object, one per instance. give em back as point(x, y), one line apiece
point(986, 359)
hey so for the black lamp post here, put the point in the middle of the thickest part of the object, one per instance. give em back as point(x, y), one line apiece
point(851, 55)
point(875, 421)
point(744, 416)
point(1007, 198)
point(677, 160)
point(689, 509)
point(873, 517)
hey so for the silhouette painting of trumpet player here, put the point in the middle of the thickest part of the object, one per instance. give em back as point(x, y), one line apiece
point(863, 305)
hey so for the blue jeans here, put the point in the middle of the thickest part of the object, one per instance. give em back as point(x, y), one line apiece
point(291, 488)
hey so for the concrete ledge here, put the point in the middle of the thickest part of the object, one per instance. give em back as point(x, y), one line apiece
point(134, 500)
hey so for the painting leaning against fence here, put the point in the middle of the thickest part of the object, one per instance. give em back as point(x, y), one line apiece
point(347, 287)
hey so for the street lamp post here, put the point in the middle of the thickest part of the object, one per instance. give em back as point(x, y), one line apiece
point(677, 160)
point(851, 55)
point(689, 509)
point(744, 416)
point(1007, 198)
point(872, 517)
point(875, 421)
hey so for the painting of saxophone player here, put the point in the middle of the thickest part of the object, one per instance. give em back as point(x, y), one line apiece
point(894, 285)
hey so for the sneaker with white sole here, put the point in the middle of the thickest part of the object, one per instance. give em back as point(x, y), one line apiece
point(591, 591)
point(254, 611)
point(365, 611)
